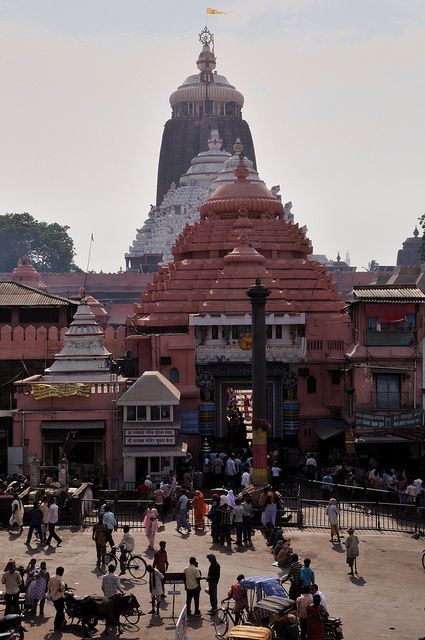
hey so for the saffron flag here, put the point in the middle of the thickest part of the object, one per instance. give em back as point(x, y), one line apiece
point(214, 12)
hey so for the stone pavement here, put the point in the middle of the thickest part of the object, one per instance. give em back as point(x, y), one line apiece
point(385, 601)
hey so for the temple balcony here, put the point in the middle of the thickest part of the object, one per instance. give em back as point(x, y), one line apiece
point(276, 351)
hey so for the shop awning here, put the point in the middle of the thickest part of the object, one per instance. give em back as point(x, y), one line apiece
point(382, 439)
point(179, 451)
point(68, 425)
point(329, 428)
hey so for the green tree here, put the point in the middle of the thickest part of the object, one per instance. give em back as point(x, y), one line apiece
point(48, 246)
point(373, 265)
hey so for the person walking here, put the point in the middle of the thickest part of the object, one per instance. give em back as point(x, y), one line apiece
point(52, 520)
point(276, 472)
point(307, 574)
point(182, 513)
point(352, 551)
point(294, 576)
point(158, 498)
point(40, 589)
point(44, 508)
point(214, 517)
point(36, 521)
point(126, 547)
point(225, 520)
point(160, 559)
point(303, 601)
point(156, 588)
point(332, 512)
point(213, 579)
point(111, 584)
point(316, 617)
point(247, 515)
point(238, 521)
point(199, 510)
point(12, 581)
point(17, 516)
point(192, 581)
point(150, 522)
point(99, 536)
point(110, 521)
point(57, 589)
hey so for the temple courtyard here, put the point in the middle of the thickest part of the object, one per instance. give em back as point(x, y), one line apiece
point(385, 601)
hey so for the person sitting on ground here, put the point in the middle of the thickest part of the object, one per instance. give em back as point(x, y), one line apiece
point(285, 553)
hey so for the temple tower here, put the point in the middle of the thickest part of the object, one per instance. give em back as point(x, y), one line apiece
point(203, 102)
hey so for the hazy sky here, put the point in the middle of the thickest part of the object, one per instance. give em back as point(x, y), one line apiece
point(334, 95)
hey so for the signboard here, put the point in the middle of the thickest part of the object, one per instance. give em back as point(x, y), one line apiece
point(181, 626)
point(63, 390)
point(149, 437)
point(402, 420)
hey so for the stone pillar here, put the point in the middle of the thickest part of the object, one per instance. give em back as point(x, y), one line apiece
point(258, 295)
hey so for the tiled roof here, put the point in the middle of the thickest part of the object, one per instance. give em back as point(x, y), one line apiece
point(391, 293)
point(14, 294)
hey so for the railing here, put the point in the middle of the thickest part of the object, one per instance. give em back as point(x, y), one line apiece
point(391, 400)
point(394, 338)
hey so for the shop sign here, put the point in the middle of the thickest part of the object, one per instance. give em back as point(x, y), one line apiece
point(149, 437)
point(403, 420)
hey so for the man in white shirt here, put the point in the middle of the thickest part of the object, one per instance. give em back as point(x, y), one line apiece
point(246, 479)
point(230, 471)
point(52, 520)
point(315, 591)
point(111, 584)
point(276, 471)
point(110, 521)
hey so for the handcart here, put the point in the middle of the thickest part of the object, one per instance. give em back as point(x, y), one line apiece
point(247, 632)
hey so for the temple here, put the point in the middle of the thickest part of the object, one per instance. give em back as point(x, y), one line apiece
point(205, 101)
point(181, 204)
point(194, 322)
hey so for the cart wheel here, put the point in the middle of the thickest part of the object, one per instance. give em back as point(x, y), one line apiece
point(221, 622)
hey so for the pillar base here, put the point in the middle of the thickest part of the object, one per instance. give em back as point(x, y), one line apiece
point(259, 477)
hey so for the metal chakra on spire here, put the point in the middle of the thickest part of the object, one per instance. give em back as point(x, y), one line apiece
point(206, 37)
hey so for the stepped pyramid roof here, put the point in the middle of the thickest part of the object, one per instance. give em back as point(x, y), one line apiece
point(242, 235)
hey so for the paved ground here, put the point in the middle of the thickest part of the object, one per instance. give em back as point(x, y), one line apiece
point(386, 601)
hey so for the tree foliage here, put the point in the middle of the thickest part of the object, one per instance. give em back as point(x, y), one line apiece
point(422, 226)
point(48, 246)
point(373, 265)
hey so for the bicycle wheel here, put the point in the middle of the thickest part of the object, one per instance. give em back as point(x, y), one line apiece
point(221, 622)
point(137, 567)
point(110, 558)
point(423, 559)
point(132, 616)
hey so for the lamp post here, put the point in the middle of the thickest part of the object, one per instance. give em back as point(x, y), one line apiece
point(258, 295)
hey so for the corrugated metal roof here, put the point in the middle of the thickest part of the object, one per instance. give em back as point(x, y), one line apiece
point(389, 293)
point(14, 294)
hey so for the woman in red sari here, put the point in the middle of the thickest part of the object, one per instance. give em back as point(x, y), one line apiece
point(316, 616)
point(199, 509)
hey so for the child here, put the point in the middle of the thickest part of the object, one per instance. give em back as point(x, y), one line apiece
point(126, 546)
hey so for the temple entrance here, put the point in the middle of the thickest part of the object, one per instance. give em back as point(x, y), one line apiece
point(236, 411)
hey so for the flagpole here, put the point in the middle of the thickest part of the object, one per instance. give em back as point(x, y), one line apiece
point(88, 263)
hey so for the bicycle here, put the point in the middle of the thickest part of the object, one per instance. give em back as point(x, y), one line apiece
point(423, 559)
point(225, 615)
point(134, 564)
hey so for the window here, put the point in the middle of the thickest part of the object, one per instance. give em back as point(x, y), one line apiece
point(214, 333)
point(372, 322)
point(131, 414)
point(235, 332)
point(5, 315)
point(155, 413)
point(174, 375)
point(269, 330)
point(336, 376)
point(165, 413)
point(279, 332)
point(311, 384)
point(141, 413)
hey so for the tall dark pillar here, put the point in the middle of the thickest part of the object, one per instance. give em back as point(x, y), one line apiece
point(258, 295)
